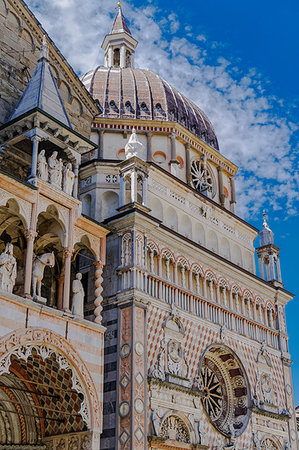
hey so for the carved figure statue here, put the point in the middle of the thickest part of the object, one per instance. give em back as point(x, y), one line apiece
point(55, 170)
point(38, 267)
point(42, 166)
point(78, 296)
point(133, 147)
point(68, 179)
point(8, 269)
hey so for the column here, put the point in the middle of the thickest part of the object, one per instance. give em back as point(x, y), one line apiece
point(76, 172)
point(205, 287)
point(218, 300)
point(149, 146)
point(101, 144)
point(173, 160)
point(211, 289)
point(122, 190)
point(98, 291)
point(190, 275)
point(110, 57)
point(30, 236)
point(60, 279)
point(261, 267)
point(242, 306)
point(32, 178)
point(260, 313)
point(278, 269)
point(197, 283)
point(144, 190)
point(188, 163)
point(67, 252)
point(271, 267)
point(221, 189)
point(133, 186)
point(224, 295)
point(151, 261)
point(167, 262)
point(183, 277)
point(231, 303)
point(233, 195)
point(175, 275)
point(122, 61)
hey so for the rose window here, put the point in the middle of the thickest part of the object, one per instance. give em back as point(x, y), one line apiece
point(224, 385)
point(202, 178)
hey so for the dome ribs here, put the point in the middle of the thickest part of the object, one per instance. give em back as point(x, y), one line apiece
point(129, 92)
point(158, 95)
point(142, 94)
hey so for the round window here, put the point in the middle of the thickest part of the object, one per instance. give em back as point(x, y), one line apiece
point(202, 178)
point(224, 385)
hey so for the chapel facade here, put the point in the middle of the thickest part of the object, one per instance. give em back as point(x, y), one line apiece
point(160, 334)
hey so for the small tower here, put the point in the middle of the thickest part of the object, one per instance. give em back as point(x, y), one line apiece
point(119, 45)
point(268, 254)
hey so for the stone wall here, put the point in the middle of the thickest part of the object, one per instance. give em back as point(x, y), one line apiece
point(20, 41)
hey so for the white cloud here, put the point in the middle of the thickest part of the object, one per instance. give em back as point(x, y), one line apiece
point(251, 128)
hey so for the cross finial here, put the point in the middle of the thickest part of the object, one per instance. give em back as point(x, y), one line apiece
point(265, 223)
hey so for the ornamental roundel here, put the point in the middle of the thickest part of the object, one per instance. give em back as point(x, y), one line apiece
point(202, 178)
point(224, 384)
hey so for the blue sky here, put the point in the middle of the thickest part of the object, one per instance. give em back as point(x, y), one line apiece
point(239, 61)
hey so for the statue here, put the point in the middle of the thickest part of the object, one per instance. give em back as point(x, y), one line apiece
point(42, 166)
point(55, 170)
point(8, 269)
point(38, 267)
point(68, 179)
point(78, 296)
point(133, 147)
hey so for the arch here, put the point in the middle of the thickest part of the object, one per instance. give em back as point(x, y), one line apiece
point(248, 295)
point(212, 241)
point(182, 261)
point(200, 234)
point(153, 246)
point(165, 252)
point(109, 204)
point(3, 8)
point(185, 226)
point(225, 248)
point(196, 268)
point(77, 107)
point(235, 288)
point(13, 20)
point(65, 92)
point(209, 275)
point(86, 205)
point(27, 37)
point(46, 342)
point(223, 283)
point(236, 255)
point(171, 218)
point(175, 428)
point(219, 366)
point(270, 443)
point(157, 208)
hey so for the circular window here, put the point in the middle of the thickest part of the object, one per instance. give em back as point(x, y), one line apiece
point(224, 383)
point(202, 178)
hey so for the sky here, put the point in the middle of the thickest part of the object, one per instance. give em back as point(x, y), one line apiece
point(239, 62)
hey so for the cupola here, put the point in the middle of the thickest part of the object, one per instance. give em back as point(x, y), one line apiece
point(119, 46)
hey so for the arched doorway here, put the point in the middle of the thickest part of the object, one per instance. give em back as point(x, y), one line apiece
point(46, 393)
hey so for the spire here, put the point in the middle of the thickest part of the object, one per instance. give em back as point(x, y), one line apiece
point(119, 45)
point(268, 254)
point(42, 92)
point(120, 23)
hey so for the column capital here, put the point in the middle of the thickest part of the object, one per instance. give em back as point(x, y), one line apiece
point(67, 252)
point(30, 235)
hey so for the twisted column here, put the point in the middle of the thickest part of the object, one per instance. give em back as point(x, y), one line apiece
point(98, 291)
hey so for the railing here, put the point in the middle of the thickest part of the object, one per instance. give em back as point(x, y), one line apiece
point(213, 312)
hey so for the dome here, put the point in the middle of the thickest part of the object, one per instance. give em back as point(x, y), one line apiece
point(131, 93)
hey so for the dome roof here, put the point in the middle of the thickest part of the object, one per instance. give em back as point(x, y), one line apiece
point(141, 94)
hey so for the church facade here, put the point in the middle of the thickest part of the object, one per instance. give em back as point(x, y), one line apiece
point(159, 334)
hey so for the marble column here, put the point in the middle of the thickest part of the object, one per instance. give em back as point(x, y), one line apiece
point(144, 190)
point(35, 140)
point(30, 237)
point(122, 190)
point(233, 195)
point(188, 163)
point(133, 186)
point(101, 144)
point(149, 146)
point(122, 61)
point(67, 252)
point(60, 279)
point(221, 188)
point(76, 184)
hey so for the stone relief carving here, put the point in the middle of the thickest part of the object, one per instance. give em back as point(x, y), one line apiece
point(174, 357)
point(55, 172)
point(78, 296)
point(175, 429)
point(268, 444)
point(8, 269)
point(38, 267)
point(159, 369)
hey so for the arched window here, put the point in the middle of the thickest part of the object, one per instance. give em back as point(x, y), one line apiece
point(116, 58)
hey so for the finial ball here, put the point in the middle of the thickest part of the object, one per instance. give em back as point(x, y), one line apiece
point(119, 4)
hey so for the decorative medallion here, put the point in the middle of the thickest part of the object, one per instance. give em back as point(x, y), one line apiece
point(139, 406)
point(202, 178)
point(125, 380)
point(124, 437)
point(139, 348)
point(125, 350)
point(124, 409)
point(139, 378)
point(139, 434)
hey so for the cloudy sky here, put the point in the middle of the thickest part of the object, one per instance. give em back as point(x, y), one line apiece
point(239, 62)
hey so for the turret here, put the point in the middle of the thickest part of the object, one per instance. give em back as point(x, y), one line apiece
point(268, 254)
point(119, 45)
